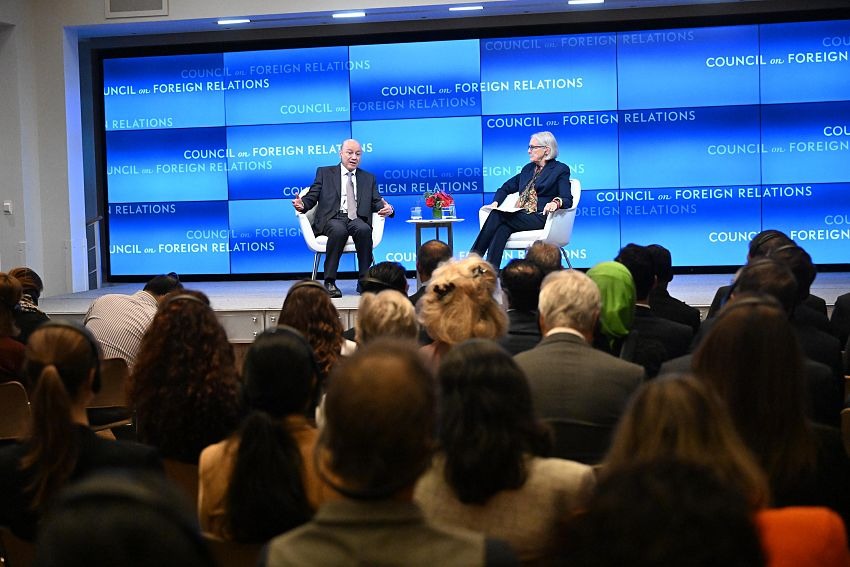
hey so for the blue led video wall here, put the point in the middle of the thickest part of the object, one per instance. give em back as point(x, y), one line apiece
point(692, 138)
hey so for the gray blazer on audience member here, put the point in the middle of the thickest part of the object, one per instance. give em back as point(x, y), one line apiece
point(569, 379)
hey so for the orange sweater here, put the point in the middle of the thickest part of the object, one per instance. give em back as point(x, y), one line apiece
point(803, 537)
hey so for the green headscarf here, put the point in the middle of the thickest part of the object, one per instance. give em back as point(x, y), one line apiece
point(617, 289)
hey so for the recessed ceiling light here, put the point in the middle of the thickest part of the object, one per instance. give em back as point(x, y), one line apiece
point(465, 8)
point(350, 15)
point(575, 2)
point(231, 22)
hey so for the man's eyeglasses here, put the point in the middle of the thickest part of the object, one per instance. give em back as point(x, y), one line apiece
point(535, 147)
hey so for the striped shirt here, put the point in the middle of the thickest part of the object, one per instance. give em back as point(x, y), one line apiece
point(119, 322)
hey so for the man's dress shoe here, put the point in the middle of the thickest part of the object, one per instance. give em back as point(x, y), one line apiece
point(333, 291)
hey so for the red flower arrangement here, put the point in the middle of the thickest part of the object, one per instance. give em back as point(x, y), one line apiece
point(438, 199)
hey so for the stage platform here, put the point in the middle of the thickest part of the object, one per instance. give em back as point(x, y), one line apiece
point(247, 308)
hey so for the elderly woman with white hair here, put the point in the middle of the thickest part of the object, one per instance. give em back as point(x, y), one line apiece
point(543, 186)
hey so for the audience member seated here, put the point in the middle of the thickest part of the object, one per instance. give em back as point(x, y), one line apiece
point(309, 309)
point(660, 301)
point(113, 520)
point(840, 321)
point(569, 379)
point(545, 256)
point(28, 316)
point(385, 314)
point(800, 263)
point(120, 321)
point(62, 363)
point(682, 418)
point(428, 258)
point(376, 442)
point(262, 481)
point(752, 357)
point(491, 473)
point(521, 281)
point(614, 332)
point(768, 277)
point(381, 276)
point(185, 387)
point(459, 305)
point(662, 513)
point(675, 338)
point(763, 244)
point(11, 350)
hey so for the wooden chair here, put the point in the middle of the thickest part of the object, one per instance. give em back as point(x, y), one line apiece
point(14, 411)
point(109, 408)
point(15, 552)
point(232, 554)
point(185, 477)
point(580, 441)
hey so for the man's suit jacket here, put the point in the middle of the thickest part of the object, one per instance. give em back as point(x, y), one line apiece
point(523, 331)
point(569, 379)
point(674, 337)
point(553, 181)
point(326, 194)
point(840, 321)
point(665, 305)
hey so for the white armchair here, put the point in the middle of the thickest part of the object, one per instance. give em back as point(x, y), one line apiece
point(319, 244)
point(558, 228)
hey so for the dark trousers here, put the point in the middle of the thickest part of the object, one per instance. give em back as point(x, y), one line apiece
point(338, 229)
point(497, 230)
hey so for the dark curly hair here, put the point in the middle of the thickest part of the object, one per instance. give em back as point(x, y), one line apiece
point(184, 386)
point(309, 309)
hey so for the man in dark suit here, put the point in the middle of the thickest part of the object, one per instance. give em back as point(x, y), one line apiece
point(569, 379)
point(673, 337)
point(661, 302)
point(520, 281)
point(429, 256)
point(345, 197)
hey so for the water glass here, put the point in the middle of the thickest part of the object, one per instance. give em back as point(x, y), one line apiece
point(449, 212)
point(415, 213)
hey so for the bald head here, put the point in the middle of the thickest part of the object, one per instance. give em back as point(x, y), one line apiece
point(350, 154)
point(379, 418)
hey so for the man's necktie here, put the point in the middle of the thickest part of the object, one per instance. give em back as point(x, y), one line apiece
point(351, 205)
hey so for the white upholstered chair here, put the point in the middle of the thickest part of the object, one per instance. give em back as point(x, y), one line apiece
point(558, 228)
point(319, 244)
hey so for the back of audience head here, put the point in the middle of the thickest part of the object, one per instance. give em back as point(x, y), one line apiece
point(184, 352)
point(663, 263)
point(385, 275)
point(113, 520)
point(160, 286)
point(385, 314)
point(638, 260)
point(545, 256)
point(752, 358)
point(664, 512)
point(765, 241)
point(266, 496)
point(10, 295)
point(521, 281)
point(308, 308)
point(800, 263)
point(379, 422)
point(429, 256)
point(487, 424)
point(617, 290)
point(770, 277)
point(459, 302)
point(31, 283)
point(682, 418)
point(569, 298)
point(61, 364)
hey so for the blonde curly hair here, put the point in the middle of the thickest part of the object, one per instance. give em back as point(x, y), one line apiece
point(459, 304)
